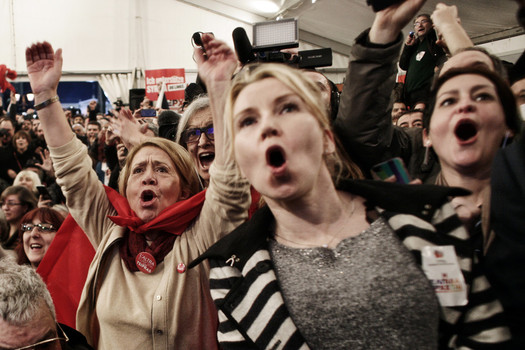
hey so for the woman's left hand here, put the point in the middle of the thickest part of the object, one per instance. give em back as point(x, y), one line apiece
point(130, 131)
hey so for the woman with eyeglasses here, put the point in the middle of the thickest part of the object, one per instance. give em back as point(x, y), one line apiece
point(195, 133)
point(139, 293)
point(16, 201)
point(38, 229)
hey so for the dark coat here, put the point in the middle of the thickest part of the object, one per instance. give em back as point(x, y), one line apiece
point(241, 265)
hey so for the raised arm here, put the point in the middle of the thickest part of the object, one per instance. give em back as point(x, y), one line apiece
point(389, 22)
point(44, 68)
point(85, 195)
point(216, 67)
point(363, 122)
point(449, 29)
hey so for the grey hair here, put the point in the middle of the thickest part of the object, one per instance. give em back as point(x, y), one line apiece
point(198, 104)
point(32, 175)
point(77, 124)
point(22, 292)
point(153, 127)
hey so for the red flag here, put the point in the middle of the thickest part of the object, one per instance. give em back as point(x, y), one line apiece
point(64, 269)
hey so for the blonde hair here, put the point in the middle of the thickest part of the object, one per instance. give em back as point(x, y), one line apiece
point(31, 174)
point(180, 157)
point(338, 163)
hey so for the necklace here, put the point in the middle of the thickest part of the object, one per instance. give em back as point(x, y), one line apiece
point(326, 245)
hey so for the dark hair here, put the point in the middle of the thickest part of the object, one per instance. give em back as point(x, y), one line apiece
point(45, 215)
point(21, 133)
point(94, 122)
point(7, 119)
point(507, 100)
point(499, 67)
point(411, 111)
point(24, 195)
point(423, 15)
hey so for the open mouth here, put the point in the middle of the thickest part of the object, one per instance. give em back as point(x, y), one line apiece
point(206, 158)
point(466, 130)
point(275, 157)
point(35, 246)
point(147, 196)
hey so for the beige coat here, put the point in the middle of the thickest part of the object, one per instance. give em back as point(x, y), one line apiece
point(164, 310)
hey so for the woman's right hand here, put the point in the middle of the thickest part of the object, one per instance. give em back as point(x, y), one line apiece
point(218, 63)
point(44, 68)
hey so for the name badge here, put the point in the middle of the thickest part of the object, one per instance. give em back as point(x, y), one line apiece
point(440, 264)
point(420, 55)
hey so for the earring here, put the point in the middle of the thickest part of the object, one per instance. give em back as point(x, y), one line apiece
point(427, 151)
point(505, 139)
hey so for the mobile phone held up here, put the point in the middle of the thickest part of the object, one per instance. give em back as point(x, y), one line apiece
point(392, 167)
point(148, 113)
point(378, 5)
point(42, 190)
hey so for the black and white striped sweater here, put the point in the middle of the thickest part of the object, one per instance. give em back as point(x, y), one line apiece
point(252, 313)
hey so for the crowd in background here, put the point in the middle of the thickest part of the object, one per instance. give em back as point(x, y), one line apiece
point(155, 194)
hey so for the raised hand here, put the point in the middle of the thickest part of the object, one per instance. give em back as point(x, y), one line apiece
point(451, 35)
point(44, 68)
point(218, 63)
point(111, 138)
point(410, 40)
point(216, 67)
point(389, 22)
point(47, 164)
point(122, 153)
point(130, 131)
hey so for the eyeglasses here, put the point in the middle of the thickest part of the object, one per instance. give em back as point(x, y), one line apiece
point(41, 228)
point(46, 344)
point(423, 21)
point(10, 204)
point(194, 134)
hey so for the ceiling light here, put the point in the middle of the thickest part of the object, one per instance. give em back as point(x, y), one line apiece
point(267, 6)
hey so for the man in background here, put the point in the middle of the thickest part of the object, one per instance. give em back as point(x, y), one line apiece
point(420, 57)
point(27, 313)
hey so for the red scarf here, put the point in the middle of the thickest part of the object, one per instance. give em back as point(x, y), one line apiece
point(171, 222)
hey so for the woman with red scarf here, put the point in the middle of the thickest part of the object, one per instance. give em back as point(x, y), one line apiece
point(139, 293)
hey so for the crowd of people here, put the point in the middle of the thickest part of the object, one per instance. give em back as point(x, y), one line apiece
point(256, 219)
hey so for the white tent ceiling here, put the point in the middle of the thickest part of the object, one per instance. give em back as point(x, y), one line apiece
point(335, 23)
point(119, 35)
